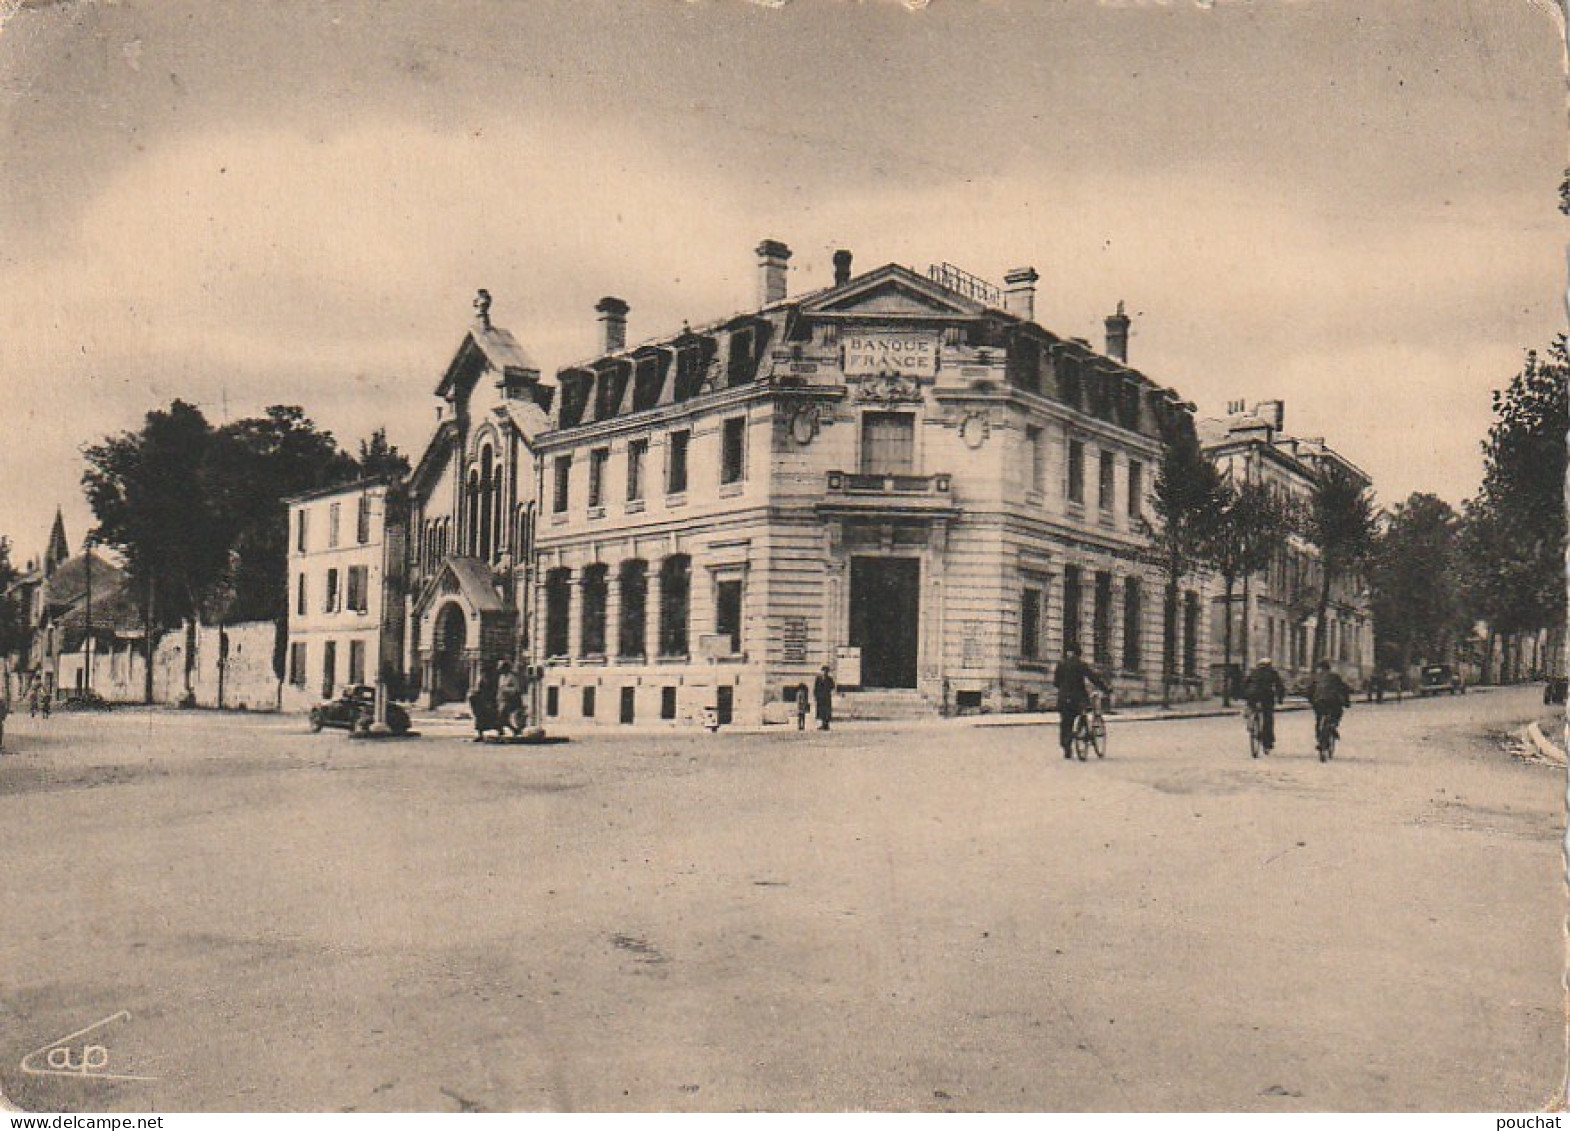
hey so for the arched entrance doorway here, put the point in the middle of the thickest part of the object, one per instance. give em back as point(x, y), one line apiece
point(450, 670)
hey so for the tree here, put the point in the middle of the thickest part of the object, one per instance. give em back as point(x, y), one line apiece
point(382, 460)
point(1513, 533)
point(147, 490)
point(198, 513)
point(1339, 522)
point(13, 625)
point(1415, 584)
point(1185, 500)
point(1250, 527)
point(256, 464)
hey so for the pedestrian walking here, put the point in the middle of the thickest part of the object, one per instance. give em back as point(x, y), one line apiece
point(509, 701)
point(482, 702)
point(5, 709)
point(1262, 691)
point(1071, 678)
point(823, 696)
point(801, 706)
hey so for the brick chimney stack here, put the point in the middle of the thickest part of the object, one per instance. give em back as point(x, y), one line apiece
point(772, 258)
point(1117, 335)
point(841, 267)
point(1019, 293)
point(613, 323)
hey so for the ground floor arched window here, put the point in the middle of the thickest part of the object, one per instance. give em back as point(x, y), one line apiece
point(675, 604)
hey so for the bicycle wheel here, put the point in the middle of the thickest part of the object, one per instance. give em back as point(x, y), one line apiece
point(1098, 735)
point(1255, 744)
point(1081, 739)
point(1330, 742)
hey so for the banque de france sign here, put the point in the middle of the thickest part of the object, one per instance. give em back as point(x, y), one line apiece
point(912, 355)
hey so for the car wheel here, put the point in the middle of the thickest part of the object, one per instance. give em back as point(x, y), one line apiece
point(316, 720)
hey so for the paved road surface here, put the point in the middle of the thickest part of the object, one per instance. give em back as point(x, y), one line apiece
point(934, 918)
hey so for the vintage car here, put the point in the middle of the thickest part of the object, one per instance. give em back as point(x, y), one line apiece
point(1440, 679)
point(354, 709)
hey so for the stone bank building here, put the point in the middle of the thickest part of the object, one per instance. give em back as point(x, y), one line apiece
point(902, 476)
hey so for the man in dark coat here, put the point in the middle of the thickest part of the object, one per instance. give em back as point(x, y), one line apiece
point(482, 702)
point(1262, 690)
point(1071, 678)
point(1329, 695)
point(823, 696)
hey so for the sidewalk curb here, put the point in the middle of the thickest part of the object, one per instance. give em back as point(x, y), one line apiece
point(1545, 745)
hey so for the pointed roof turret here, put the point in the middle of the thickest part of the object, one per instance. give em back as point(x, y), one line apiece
point(59, 549)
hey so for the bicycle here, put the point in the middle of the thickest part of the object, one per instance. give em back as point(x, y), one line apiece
point(1325, 735)
point(1090, 729)
point(1254, 721)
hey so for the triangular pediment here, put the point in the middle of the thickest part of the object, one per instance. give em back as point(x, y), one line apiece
point(893, 291)
point(485, 348)
point(462, 579)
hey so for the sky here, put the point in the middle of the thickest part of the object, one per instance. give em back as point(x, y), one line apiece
point(1350, 205)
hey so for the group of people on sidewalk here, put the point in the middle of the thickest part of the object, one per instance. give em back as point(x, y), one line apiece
point(496, 702)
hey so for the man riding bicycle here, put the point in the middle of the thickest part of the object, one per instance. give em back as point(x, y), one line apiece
point(1330, 696)
point(1262, 690)
point(1071, 677)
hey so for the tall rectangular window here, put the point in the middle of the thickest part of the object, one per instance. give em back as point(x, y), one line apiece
point(594, 590)
point(362, 520)
point(334, 516)
point(563, 485)
point(329, 668)
point(359, 588)
point(300, 530)
point(637, 456)
point(297, 658)
point(356, 661)
point(330, 597)
point(558, 611)
point(738, 365)
point(727, 612)
point(676, 463)
point(1102, 620)
point(733, 450)
point(1030, 624)
point(1136, 489)
point(1106, 488)
point(1076, 471)
point(1071, 603)
point(888, 443)
point(1132, 615)
point(1036, 442)
point(299, 596)
point(598, 459)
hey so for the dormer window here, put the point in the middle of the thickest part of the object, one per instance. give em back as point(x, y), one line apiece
point(648, 378)
point(738, 366)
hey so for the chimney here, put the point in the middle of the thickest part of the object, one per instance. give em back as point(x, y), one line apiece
point(1019, 293)
point(841, 267)
point(1117, 335)
point(613, 324)
point(772, 257)
point(1273, 413)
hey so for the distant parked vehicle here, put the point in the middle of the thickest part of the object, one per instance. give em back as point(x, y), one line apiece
point(1555, 691)
point(1440, 679)
point(355, 709)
